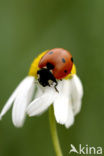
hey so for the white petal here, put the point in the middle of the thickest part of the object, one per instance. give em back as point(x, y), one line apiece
point(76, 93)
point(22, 100)
point(70, 119)
point(39, 92)
point(62, 105)
point(40, 104)
point(61, 109)
point(11, 99)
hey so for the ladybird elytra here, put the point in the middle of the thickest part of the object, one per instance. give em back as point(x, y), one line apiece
point(60, 59)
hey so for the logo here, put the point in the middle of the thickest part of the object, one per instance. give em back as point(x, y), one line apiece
point(86, 150)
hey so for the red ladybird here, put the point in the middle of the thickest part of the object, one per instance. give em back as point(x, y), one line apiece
point(60, 60)
point(55, 64)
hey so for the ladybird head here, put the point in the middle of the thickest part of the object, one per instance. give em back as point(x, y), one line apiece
point(45, 77)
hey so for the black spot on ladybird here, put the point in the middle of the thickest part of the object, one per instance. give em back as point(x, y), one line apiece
point(63, 60)
point(50, 52)
point(72, 59)
point(65, 71)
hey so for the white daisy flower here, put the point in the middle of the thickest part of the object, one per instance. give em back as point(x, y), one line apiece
point(65, 95)
point(66, 103)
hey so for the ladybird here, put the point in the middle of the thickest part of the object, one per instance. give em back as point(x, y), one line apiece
point(54, 65)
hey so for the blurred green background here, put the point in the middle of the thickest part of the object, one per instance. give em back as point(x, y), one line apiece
point(26, 29)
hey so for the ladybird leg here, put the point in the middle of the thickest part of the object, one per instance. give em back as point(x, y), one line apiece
point(56, 87)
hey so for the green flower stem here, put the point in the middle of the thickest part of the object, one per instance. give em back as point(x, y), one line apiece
point(54, 135)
